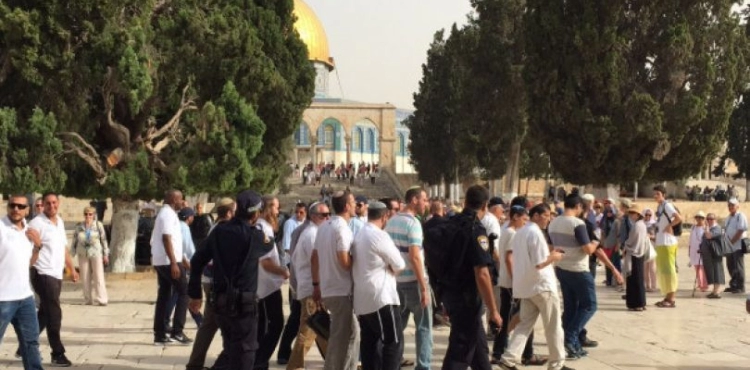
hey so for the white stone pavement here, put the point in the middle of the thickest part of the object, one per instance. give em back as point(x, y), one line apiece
point(698, 334)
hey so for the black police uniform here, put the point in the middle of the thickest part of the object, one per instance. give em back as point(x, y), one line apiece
point(235, 247)
point(467, 344)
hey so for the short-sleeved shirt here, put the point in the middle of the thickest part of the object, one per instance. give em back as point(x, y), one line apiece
point(506, 238)
point(733, 224)
point(374, 255)
point(268, 282)
point(530, 249)
point(333, 236)
point(665, 209)
point(289, 226)
point(15, 254)
point(355, 224)
point(166, 223)
point(301, 261)
point(51, 261)
point(406, 231)
point(476, 254)
point(570, 234)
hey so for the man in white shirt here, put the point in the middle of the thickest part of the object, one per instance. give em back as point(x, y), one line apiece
point(19, 248)
point(47, 274)
point(534, 283)
point(332, 281)
point(377, 261)
point(169, 262)
point(304, 287)
point(736, 230)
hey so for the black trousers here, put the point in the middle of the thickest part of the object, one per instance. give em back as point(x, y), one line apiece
point(736, 267)
point(164, 294)
point(50, 314)
point(290, 330)
point(382, 340)
point(467, 343)
point(270, 325)
point(501, 338)
point(239, 334)
point(635, 290)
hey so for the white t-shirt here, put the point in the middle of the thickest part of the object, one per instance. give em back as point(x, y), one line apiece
point(334, 235)
point(51, 261)
point(662, 211)
point(15, 254)
point(492, 225)
point(733, 224)
point(166, 223)
point(301, 261)
point(373, 253)
point(506, 238)
point(529, 250)
point(268, 282)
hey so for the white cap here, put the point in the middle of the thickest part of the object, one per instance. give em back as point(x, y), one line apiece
point(588, 197)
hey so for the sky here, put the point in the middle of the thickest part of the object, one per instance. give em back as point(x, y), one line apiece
point(379, 46)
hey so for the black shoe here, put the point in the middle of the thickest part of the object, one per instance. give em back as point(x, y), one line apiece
point(60, 361)
point(181, 338)
point(588, 343)
point(582, 353)
point(566, 368)
point(729, 290)
point(162, 340)
point(282, 361)
point(18, 353)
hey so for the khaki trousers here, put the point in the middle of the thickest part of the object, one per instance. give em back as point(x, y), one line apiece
point(92, 277)
point(305, 337)
point(546, 305)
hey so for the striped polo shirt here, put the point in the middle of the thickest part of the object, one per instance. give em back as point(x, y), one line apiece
point(405, 230)
point(569, 233)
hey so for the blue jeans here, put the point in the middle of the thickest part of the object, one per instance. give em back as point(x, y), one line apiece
point(22, 314)
point(579, 303)
point(409, 295)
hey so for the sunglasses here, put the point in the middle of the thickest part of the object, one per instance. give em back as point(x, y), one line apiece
point(324, 215)
point(18, 206)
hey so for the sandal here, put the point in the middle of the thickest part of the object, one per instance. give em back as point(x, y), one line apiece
point(406, 362)
point(665, 304)
point(713, 296)
point(535, 360)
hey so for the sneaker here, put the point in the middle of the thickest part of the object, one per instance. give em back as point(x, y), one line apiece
point(582, 353)
point(588, 343)
point(181, 338)
point(162, 340)
point(506, 367)
point(571, 353)
point(60, 361)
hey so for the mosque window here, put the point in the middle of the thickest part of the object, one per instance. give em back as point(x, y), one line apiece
point(357, 144)
point(328, 133)
point(302, 135)
point(370, 141)
point(401, 144)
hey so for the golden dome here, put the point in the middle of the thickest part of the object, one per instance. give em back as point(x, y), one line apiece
point(313, 34)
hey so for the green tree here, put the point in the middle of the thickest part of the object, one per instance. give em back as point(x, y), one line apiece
point(738, 141)
point(438, 128)
point(621, 91)
point(150, 95)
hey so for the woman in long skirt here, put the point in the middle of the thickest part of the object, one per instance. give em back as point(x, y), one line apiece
point(712, 261)
point(635, 247)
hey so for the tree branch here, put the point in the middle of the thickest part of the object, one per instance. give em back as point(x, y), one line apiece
point(156, 139)
point(78, 145)
point(120, 133)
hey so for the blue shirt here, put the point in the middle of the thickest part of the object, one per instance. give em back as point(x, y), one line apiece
point(188, 248)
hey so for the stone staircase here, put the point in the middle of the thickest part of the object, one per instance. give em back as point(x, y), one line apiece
point(384, 187)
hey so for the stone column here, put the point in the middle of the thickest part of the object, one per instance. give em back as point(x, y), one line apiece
point(348, 139)
point(314, 149)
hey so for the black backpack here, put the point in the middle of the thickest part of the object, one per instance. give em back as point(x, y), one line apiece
point(444, 236)
point(677, 229)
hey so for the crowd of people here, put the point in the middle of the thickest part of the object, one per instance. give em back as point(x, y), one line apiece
point(312, 174)
point(365, 265)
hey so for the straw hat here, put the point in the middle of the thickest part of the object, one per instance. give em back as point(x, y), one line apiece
point(635, 208)
point(700, 214)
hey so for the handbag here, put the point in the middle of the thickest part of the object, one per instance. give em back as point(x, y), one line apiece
point(726, 246)
point(745, 245)
point(320, 323)
point(650, 253)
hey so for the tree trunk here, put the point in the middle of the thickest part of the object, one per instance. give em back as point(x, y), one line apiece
point(512, 182)
point(604, 192)
point(124, 233)
point(747, 189)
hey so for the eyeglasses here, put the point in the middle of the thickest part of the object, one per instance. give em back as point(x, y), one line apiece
point(324, 215)
point(88, 214)
point(18, 206)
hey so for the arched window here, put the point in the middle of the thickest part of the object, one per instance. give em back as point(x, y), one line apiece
point(302, 135)
point(329, 135)
point(370, 141)
point(357, 140)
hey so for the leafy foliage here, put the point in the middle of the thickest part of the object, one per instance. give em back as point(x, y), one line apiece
point(625, 90)
point(149, 95)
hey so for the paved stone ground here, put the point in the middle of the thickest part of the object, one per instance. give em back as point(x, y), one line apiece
point(698, 334)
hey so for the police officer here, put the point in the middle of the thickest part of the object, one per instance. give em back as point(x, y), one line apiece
point(235, 247)
point(470, 285)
